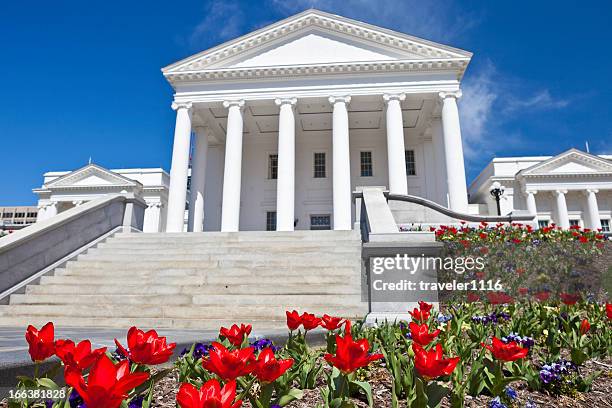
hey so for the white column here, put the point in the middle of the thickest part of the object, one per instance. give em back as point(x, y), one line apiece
point(531, 205)
point(51, 210)
point(152, 217)
point(285, 183)
point(42, 212)
point(341, 168)
point(232, 176)
point(595, 221)
point(177, 194)
point(453, 152)
point(562, 216)
point(437, 139)
point(198, 179)
point(396, 157)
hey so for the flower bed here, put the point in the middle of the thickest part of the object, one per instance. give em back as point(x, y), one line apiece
point(470, 352)
point(544, 338)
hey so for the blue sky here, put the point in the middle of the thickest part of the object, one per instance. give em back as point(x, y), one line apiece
point(83, 79)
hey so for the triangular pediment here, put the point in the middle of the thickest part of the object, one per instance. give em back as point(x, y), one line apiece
point(92, 176)
point(314, 38)
point(571, 162)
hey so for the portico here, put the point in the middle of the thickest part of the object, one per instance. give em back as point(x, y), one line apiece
point(287, 121)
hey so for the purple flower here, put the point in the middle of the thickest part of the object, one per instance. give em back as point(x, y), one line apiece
point(75, 400)
point(264, 343)
point(496, 403)
point(136, 402)
point(511, 393)
point(524, 341)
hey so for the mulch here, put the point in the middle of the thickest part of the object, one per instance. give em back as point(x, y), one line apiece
point(379, 378)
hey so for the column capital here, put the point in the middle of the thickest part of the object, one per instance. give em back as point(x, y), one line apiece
point(285, 101)
point(181, 105)
point(455, 94)
point(155, 205)
point(394, 97)
point(559, 192)
point(532, 192)
point(592, 190)
point(344, 99)
point(235, 102)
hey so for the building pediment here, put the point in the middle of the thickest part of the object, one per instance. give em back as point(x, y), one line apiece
point(314, 39)
point(572, 162)
point(92, 176)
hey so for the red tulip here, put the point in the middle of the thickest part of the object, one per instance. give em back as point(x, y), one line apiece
point(424, 306)
point(585, 326)
point(268, 368)
point(430, 364)
point(523, 291)
point(542, 296)
point(78, 356)
point(506, 352)
point(235, 335)
point(293, 320)
point(499, 298)
point(569, 298)
point(211, 395)
point(230, 365)
point(41, 342)
point(419, 315)
point(331, 323)
point(107, 385)
point(472, 297)
point(310, 321)
point(420, 333)
point(146, 348)
point(351, 355)
point(609, 310)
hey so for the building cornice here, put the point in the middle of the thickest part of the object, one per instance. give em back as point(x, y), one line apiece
point(457, 65)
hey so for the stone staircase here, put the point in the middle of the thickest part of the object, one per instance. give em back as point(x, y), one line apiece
point(198, 281)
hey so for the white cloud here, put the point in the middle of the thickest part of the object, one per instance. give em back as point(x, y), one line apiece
point(223, 21)
point(479, 95)
point(542, 100)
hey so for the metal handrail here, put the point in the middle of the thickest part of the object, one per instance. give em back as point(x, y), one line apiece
point(453, 214)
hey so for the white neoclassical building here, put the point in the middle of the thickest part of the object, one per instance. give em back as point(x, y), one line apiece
point(572, 188)
point(62, 190)
point(290, 119)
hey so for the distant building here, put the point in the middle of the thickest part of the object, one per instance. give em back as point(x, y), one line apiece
point(572, 188)
point(14, 218)
point(62, 190)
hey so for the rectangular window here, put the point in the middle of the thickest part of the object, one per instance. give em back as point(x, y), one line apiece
point(273, 167)
point(19, 215)
point(410, 163)
point(31, 215)
point(271, 221)
point(319, 165)
point(605, 225)
point(365, 160)
point(542, 223)
point(574, 223)
point(320, 222)
point(8, 215)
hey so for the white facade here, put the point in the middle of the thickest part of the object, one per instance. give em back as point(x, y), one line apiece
point(572, 188)
point(62, 190)
point(290, 119)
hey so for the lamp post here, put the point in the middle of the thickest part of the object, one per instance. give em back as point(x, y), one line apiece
point(497, 190)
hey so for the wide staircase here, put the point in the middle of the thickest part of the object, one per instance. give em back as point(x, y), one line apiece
point(198, 281)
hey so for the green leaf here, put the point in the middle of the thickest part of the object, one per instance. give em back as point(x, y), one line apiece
point(292, 395)
point(367, 389)
point(47, 383)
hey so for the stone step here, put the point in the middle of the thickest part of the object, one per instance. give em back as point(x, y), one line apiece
point(140, 322)
point(262, 270)
point(226, 249)
point(190, 289)
point(240, 312)
point(282, 258)
point(284, 262)
point(196, 299)
point(243, 236)
point(201, 279)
